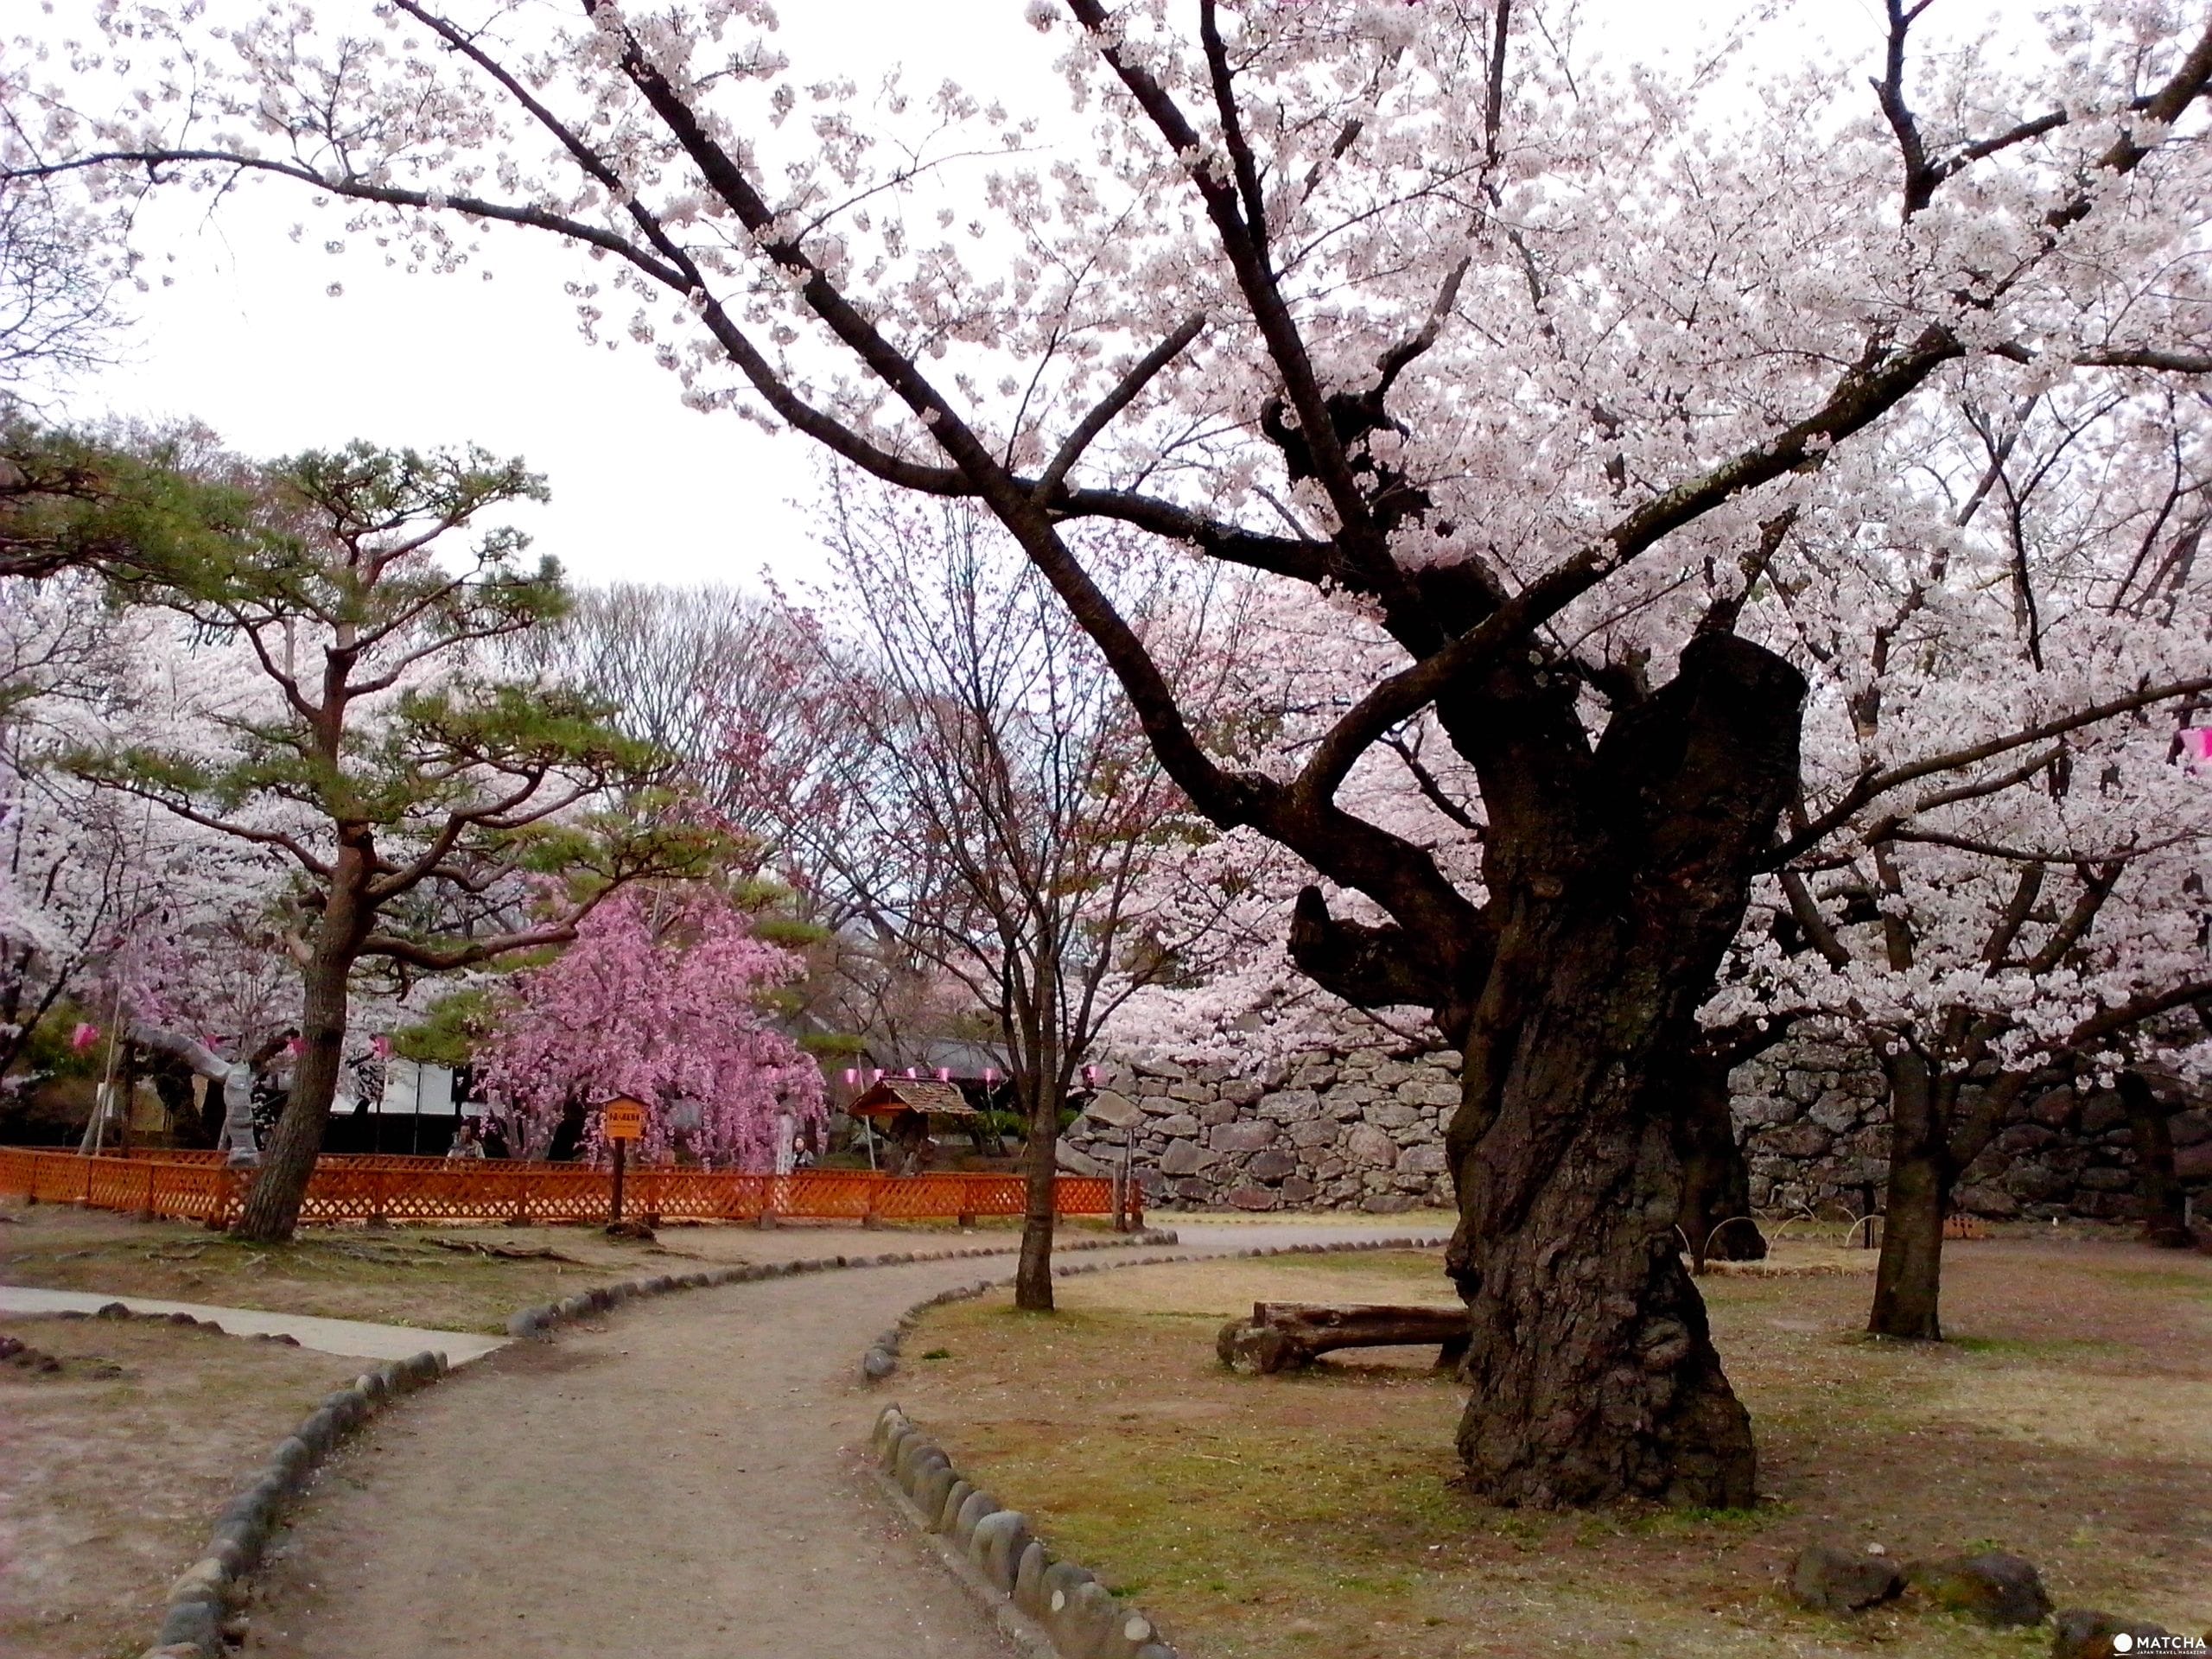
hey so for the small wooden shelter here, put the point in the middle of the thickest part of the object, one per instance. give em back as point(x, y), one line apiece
point(926, 1096)
point(904, 1106)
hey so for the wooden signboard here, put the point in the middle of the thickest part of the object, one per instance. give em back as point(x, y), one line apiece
point(621, 1121)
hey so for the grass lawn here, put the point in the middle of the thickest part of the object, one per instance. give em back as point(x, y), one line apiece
point(111, 1469)
point(1275, 1518)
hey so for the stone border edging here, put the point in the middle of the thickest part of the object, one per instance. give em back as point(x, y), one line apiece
point(1053, 1607)
point(191, 1626)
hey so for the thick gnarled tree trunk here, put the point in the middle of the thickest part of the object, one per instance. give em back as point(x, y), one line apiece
point(1615, 888)
point(2165, 1206)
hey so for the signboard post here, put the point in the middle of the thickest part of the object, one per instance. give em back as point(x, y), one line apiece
point(622, 1120)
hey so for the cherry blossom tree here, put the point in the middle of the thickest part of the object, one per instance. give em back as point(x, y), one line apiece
point(96, 889)
point(59, 267)
point(662, 996)
point(2036, 918)
point(1535, 366)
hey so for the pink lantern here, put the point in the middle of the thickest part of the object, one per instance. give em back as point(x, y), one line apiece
point(1090, 1076)
point(944, 1074)
point(381, 1045)
point(990, 1077)
point(84, 1037)
point(911, 1072)
point(877, 1076)
point(851, 1077)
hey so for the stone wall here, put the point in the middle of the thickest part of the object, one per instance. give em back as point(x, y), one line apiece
point(1345, 1129)
point(1359, 1127)
point(1815, 1129)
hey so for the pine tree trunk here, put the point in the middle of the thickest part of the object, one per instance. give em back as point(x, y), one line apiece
point(1715, 1219)
point(1617, 880)
point(1033, 1281)
point(1908, 1280)
point(271, 1211)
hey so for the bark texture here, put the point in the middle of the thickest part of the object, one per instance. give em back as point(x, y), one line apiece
point(1715, 1218)
point(1615, 886)
point(1908, 1280)
point(1032, 1279)
point(271, 1209)
point(2165, 1210)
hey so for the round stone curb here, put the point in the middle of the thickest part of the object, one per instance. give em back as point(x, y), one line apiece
point(202, 1596)
point(1054, 1608)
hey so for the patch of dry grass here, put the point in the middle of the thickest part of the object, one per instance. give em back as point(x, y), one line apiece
point(396, 1277)
point(1276, 1518)
point(111, 1470)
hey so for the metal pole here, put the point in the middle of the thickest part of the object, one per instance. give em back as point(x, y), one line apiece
point(619, 1147)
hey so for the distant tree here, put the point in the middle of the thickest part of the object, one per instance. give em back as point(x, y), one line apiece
point(59, 266)
point(668, 663)
point(664, 996)
point(432, 816)
point(970, 785)
point(2034, 918)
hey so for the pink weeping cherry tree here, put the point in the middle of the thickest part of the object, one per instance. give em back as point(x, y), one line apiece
point(662, 997)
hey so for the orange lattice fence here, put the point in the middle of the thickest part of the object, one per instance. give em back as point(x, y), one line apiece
point(192, 1192)
point(195, 1187)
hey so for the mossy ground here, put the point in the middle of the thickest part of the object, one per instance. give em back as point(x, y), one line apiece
point(1276, 1518)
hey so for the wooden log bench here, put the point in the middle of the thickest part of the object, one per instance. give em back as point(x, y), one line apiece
point(1281, 1336)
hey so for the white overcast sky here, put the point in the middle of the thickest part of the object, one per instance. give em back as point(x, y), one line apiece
point(246, 338)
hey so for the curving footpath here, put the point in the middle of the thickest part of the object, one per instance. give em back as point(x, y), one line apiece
point(680, 1482)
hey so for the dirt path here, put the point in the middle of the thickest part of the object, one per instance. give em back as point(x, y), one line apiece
point(678, 1482)
point(354, 1338)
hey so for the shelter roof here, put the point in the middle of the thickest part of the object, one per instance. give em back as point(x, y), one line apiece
point(895, 1095)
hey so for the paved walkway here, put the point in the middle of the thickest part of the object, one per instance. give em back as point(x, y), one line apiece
point(353, 1338)
point(679, 1482)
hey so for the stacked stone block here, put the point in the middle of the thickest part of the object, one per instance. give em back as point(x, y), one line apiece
point(1353, 1127)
